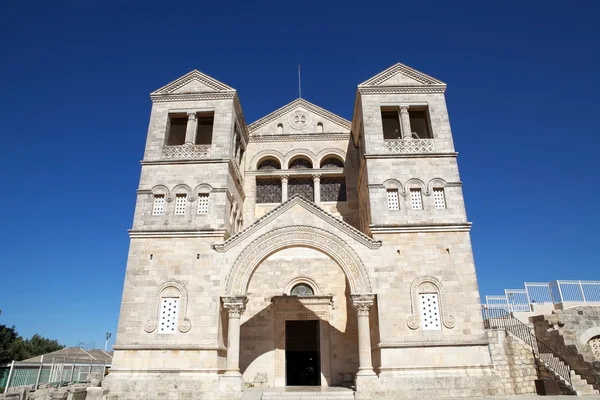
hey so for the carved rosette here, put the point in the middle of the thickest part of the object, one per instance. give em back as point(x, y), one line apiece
point(362, 303)
point(236, 305)
point(299, 120)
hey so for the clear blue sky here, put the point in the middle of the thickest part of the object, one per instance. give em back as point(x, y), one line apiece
point(522, 93)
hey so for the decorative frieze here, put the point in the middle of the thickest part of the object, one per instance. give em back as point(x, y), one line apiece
point(409, 146)
point(186, 152)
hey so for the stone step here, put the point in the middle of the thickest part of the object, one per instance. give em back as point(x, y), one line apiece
point(316, 394)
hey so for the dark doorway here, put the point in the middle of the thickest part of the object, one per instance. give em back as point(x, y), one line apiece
point(302, 356)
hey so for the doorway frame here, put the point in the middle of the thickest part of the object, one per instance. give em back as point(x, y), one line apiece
point(291, 308)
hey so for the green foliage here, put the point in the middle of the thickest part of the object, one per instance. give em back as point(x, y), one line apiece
point(14, 347)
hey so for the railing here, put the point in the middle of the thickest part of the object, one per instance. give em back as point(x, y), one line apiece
point(397, 146)
point(496, 318)
point(557, 292)
point(186, 152)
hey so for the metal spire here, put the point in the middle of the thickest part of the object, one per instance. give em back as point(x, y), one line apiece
point(299, 84)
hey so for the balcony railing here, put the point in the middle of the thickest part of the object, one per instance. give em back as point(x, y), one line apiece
point(398, 146)
point(186, 152)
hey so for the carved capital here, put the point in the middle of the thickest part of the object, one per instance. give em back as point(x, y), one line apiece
point(403, 109)
point(191, 116)
point(316, 177)
point(284, 177)
point(362, 303)
point(235, 305)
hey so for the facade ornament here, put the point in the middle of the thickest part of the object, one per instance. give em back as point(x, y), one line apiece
point(362, 303)
point(299, 120)
point(192, 115)
point(174, 289)
point(236, 305)
point(428, 284)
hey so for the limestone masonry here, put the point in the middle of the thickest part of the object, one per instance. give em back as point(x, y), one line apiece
point(305, 249)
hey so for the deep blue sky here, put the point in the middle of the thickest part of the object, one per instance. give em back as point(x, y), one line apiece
point(522, 94)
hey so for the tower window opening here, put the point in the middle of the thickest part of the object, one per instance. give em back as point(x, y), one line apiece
point(204, 128)
point(159, 204)
point(439, 200)
point(203, 203)
point(391, 124)
point(176, 130)
point(392, 198)
point(419, 124)
point(180, 203)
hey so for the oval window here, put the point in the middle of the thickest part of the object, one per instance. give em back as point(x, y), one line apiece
point(302, 289)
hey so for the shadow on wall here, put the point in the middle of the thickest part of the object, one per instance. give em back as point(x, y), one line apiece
point(263, 335)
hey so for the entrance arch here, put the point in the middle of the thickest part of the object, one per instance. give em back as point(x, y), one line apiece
point(297, 236)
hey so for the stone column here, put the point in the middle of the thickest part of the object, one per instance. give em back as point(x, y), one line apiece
point(362, 303)
point(317, 188)
point(405, 122)
point(235, 306)
point(190, 131)
point(284, 187)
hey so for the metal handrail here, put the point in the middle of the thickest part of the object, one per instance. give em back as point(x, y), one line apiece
point(497, 318)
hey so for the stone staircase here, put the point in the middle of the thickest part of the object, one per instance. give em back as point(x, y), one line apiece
point(579, 385)
point(309, 393)
point(545, 330)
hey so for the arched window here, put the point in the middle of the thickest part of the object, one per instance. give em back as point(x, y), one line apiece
point(268, 164)
point(300, 163)
point(319, 127)
point(332, 162)
point(594, 344)
point(302, 290)
point(168, 315)
point(279, 129)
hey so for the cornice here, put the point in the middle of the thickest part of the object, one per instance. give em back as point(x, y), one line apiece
point(412, 155)
point(311, 207)
point(295, 104)
point(165, 346)
point(158, 98)
point(197, 161)
point(402, 89)
point(420, 228)
point(176, 233)
point(299, 137)
point(481, 340)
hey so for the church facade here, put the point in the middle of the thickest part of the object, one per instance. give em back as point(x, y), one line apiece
point(302, 249)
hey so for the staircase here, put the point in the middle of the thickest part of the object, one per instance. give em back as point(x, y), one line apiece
point(308, 393)
point(545, 357)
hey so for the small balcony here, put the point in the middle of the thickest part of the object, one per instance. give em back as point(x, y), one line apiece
point(403, 146)
point(186, 152)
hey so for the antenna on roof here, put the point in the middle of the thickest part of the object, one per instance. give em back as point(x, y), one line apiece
point(299, 84)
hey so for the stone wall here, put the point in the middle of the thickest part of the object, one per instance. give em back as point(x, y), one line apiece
point(514, 362)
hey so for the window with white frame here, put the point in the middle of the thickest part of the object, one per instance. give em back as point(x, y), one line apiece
point(159, 204)
point(169, 308)
point(180, 203)
point(392, 199)
point(438, 198)
point(430, 312)
point(416, 202)
point(203, 203)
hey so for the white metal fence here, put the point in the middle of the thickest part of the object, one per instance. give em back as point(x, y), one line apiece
point(557, 292)
point(58, 373)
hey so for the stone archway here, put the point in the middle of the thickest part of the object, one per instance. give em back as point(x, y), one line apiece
point(240, 275)
point(292, 236)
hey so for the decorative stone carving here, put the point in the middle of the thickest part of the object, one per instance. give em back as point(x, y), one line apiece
point(409, 145)
point(236, 305)
point(173, 289)
point(186, 152)
point(428, 284)
point(241, 271)
point(362, 303)
point(299, 120)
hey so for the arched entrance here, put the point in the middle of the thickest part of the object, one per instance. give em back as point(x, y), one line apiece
point(290, 311)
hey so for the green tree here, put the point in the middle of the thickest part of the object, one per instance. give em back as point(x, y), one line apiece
point(14, 347)
point(8, 343)
point(38, 345)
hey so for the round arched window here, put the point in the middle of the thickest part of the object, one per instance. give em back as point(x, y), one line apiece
point(594, 343)
point(302, 290)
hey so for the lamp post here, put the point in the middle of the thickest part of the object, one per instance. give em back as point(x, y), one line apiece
point(107, 336)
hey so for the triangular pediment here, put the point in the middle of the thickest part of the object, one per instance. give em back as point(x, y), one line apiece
point(291, 211)
point(300, 116)
point(191, 83)
point(399, 75)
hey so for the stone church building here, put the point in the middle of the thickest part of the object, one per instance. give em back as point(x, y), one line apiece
point(303, 249)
